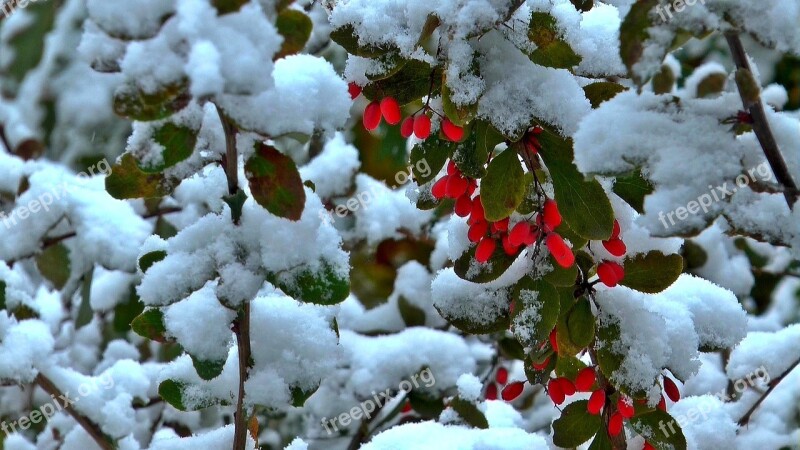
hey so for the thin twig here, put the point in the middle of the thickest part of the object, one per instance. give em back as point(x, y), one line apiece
point(772, 385)
point(231, 161)
point(760, 124)
point(91, 428)
point(242, 329)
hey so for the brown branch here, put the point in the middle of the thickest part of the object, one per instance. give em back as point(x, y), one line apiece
point(231, 161)
point(772, 385)
point(91, 428)
point(242, 329)
point(761, 127)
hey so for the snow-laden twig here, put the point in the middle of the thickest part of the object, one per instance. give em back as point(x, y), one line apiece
point(772, 385)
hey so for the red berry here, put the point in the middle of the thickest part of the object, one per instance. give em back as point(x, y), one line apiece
point(510, 250)
point(615, 246)
point(615, 424)
point(585, 379)
point(477, 231)
point(532, 145)
point(532, 236)
point(519, 233)
point(406, 407)
point(463, 206)
point(662, 404)
point(671, 389)
point(625, 407)
point(451, 130)
point(608, 274)
point(619, 271)
point(560, 250)
point(353, 89)
point(555, 392)
point(500, 225)
point(502, 375)
point(439, 189)
point(456, 186)
point(452, 168)
point(485, 249)
point(648, 446)
point(552, 218)
point(615, 231)
point(472, 186)
point(477, 209)
point(372, 116)
point(491, 392)
point(512, 391)
point(422, 126)
point(407, 127)
point(554, 340)
point(596, 402)
point(391, 110)
point(567, 387)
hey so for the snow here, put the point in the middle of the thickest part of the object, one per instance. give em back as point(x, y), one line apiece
point(431, 435)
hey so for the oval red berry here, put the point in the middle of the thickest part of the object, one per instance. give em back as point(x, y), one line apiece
point(607, 274)
point(513, 390)
point(485, 249)
point(477, 231)
point(567, 386)
point(585, 379)
point(491, 392)
point(452, 131)
point(596, 402)
point(407, 127)
point(456, 186)
point(439, 189)
point(552, 218)
point(518, 233)
point(671, 389)
point(502, 375)
point(391, 110)
point(422, 126)
point(615, 231)
point(615, 246)
point(372, 116)
point(353, 89)
point(555, 392)
point(560, 250)
point(625, 407)
point(463, 206)
point(615, 424)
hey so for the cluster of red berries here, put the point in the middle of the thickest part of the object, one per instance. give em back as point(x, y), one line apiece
point(389, 109)
point(612, 273)
point(509, 392)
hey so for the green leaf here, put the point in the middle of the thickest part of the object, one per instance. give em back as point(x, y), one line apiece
point(413, 81)
point(551, 51)
point(633, 189)
point(128, 181)
point(711, 85)
point(236, 203)
point(660, 429)
point(228, 6)
point(2, 295)
point(469, 157)
point(208, 370)
point(413, 316)
point(275, 183)
point(295, 27)
point(323, 286)
point(131, 102)
point(580, 323)
point(126, 312)
point(633, 34)
point(575, 426)
point(458, 114)
point(425, 404)
point(487, 138)
point(602, 91)
point(568, 366)
point(503, 187)
point(150, 324)
point(176, 392)
point(85, 312)
point(601, 441)
point(653, 272)
point(26, 43)
point(469, 412)
point(54, 264)
point(299, 396)
point(583, 204)
point(536, 311)
point(148, 259)
point(346, 37)
point(468, 268)
point(560, 276)
point(178, 142)
point(430, 154)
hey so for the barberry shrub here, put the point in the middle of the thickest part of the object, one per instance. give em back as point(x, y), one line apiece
point(381, 225)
